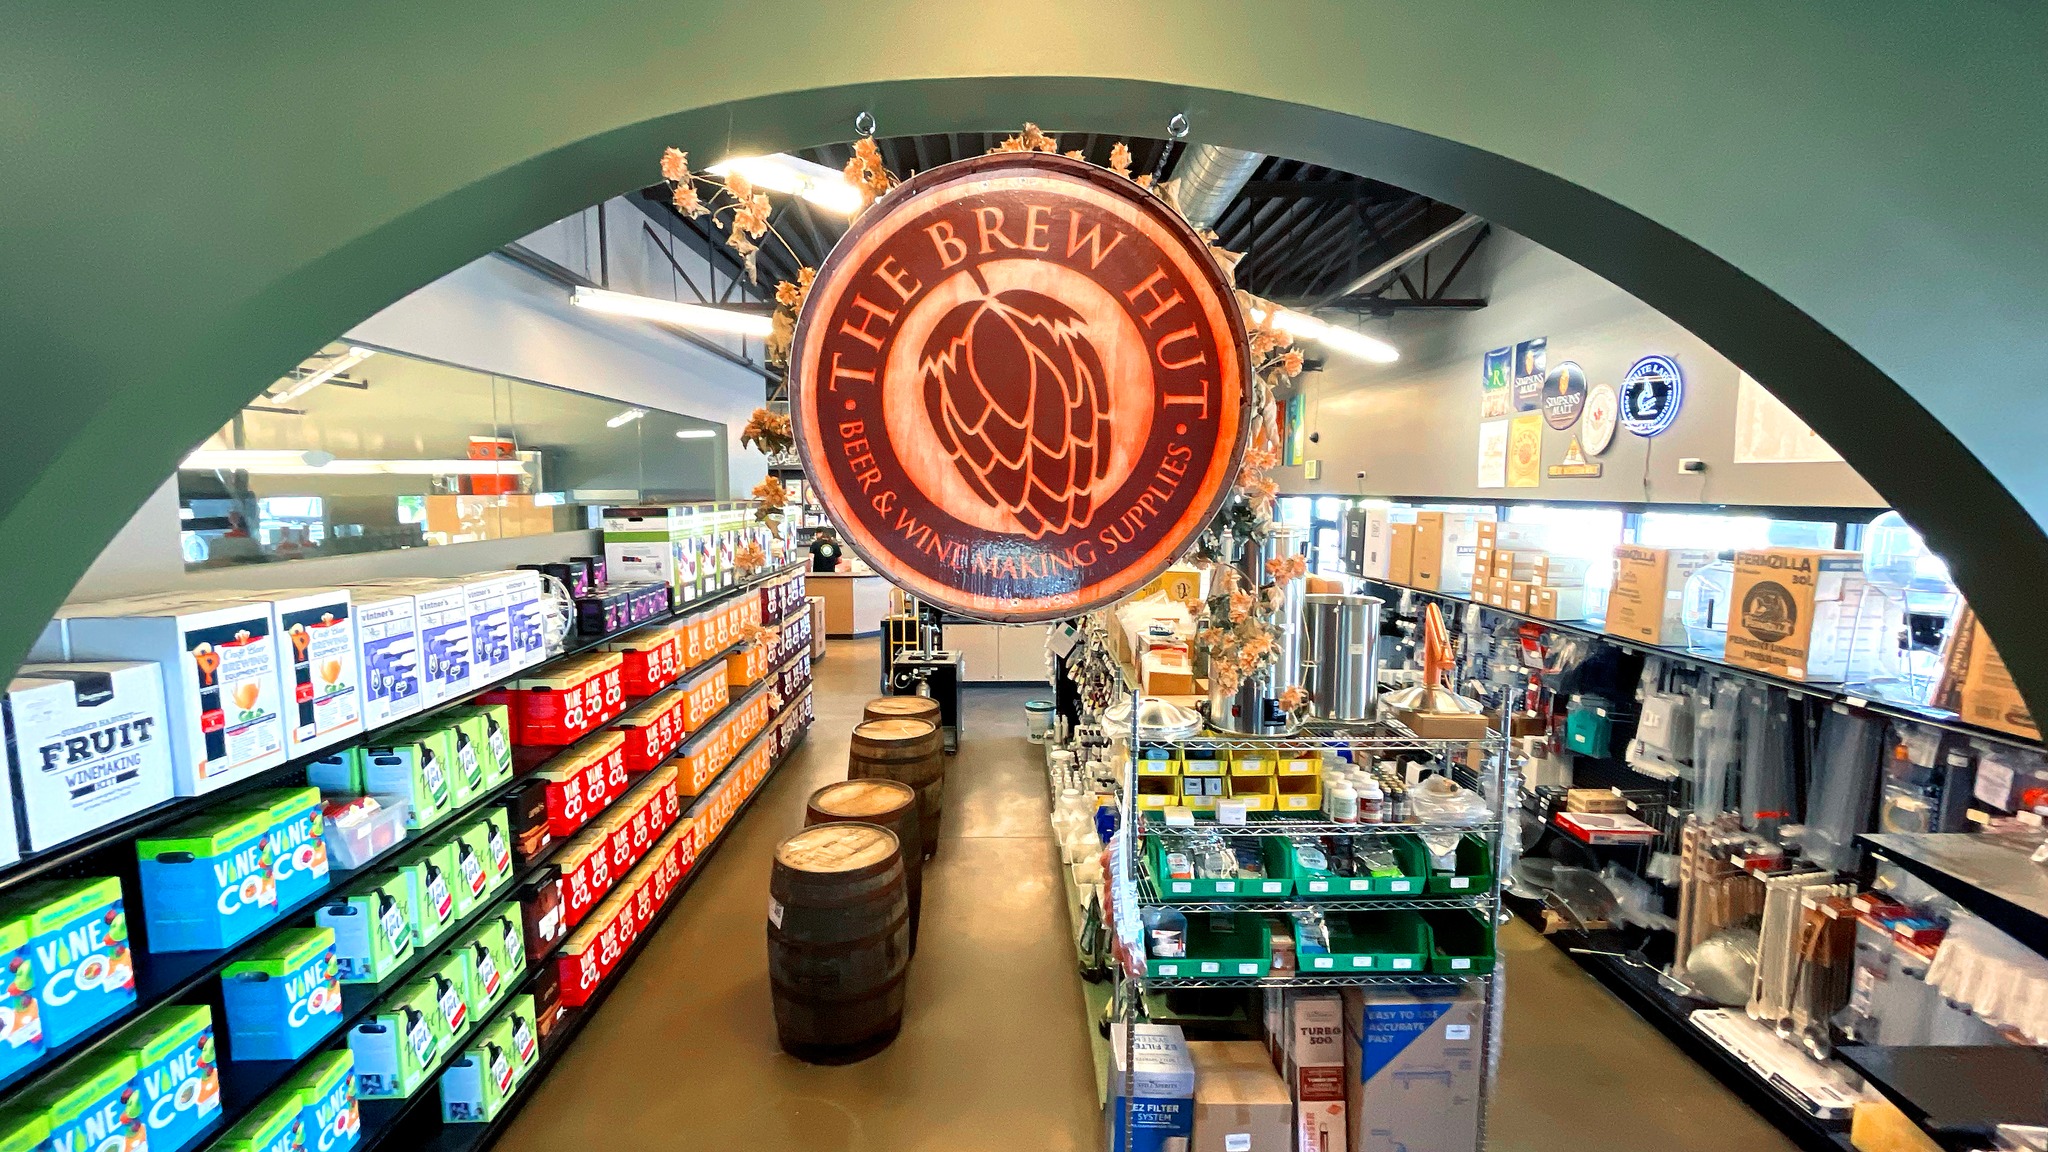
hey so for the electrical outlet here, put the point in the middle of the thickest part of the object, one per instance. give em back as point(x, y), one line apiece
point(1692, 464)
point(1312, 470)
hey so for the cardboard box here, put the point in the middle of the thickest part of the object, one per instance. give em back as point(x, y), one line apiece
point(85, 747)
point(319, 672)
point(1241, 1104)
point(1312, 1059)
point(1413, 1064)
point(1374, 531)
point(1518, 596)
point(1162, 1103)
point(1445, 546)
point(1496, 590)
point(388, 640)
point(1401, 553)
point(1648, 600)
point(1166, 672)
point(1976, 684)
point(1796, 614)
point(1561, 571)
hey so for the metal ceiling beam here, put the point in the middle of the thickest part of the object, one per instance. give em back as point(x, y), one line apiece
point(1400, 260)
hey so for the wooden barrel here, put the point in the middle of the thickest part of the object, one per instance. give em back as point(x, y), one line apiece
point(838, 942)
point(903, 708)
point(912, 752)
point(887, 804)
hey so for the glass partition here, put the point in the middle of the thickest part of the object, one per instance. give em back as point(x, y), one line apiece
point(364, 450)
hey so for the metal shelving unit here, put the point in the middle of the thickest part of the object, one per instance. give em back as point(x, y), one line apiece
point(1133, 891)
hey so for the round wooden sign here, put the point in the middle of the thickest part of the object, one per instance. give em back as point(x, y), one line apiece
point(1019, 386)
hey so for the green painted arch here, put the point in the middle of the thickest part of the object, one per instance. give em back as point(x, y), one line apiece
point(1847, 203)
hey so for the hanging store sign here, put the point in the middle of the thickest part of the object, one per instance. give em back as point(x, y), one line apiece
point(1530, 356)
point(1564, 395)
point(1651, 395)
point(1603, 412)
point(1019, 386)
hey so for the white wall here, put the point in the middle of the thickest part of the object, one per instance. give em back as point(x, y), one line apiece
point(1413, 427)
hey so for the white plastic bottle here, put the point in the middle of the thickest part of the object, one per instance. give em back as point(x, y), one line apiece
point(1372, 804)
point(1343, 803)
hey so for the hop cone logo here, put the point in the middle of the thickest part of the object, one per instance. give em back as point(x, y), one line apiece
point(1015, 391)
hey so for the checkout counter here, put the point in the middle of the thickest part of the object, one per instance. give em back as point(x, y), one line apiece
point(855, 602)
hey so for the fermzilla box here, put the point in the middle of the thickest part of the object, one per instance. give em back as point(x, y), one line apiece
point(221, 682)
point(86, 746)
point(1162, 1103)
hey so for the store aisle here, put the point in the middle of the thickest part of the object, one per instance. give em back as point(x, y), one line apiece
point(1580, 1072)
point(993, 1053)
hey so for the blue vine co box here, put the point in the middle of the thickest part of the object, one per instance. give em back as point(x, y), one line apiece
point(298, 845)
point(178, 1072)
point(329, 1113)
point(283, 999)
point(1162, 1100)
point(84, 969)
point(208, 883)
point(21, 1017)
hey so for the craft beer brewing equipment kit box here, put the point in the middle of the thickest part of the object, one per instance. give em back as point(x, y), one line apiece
point(319, 668)
point(221, 681)
point(1648, 600)
point(1796, 613)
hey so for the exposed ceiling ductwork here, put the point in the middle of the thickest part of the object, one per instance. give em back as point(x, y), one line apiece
point(1401, 259)
point(1207, 179)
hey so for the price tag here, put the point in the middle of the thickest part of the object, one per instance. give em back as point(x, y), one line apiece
point(1237, 1142)
point(775, 912)
point(1457, 1031)
point(1226, 886)
point(1319, 885)
point(1461, 881)
point(1248, 969)
point(1211, 967)
point(1182, 887)
point(1460, 964)
point(1403, 963)
point(1169, 969)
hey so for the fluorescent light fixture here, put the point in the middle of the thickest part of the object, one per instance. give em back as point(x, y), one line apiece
point(696, 433)
point(340, 364)
point(1306, 327)
point(625, 418)
point(315, 463)
point(674, 312)
point(795, 176)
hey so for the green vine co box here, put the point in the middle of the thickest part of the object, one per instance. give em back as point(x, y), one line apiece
point(395, 1047)
point(373, 930)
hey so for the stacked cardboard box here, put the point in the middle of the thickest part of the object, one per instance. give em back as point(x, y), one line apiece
point(1413, 1065)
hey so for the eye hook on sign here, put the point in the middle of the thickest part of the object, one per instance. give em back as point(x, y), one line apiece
point(864, 123)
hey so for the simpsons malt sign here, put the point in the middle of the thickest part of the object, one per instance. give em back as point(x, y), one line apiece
point(1019, 385)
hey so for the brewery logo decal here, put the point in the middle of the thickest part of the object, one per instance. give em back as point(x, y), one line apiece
point(1019, 385)
point(1768, 612)
point(1651, 395)
point(1603, 412)
point(1575, 465)
point(1530, 357)
point(1564, 395)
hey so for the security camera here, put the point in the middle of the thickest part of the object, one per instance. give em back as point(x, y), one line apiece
point(1315, 437)
point(1361, 475)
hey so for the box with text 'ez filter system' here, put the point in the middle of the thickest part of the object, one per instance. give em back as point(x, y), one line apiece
point(1162, 1099)
point(1413, 1062)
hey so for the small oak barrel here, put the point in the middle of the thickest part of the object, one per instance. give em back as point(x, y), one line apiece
point(838, 942)
point(910, 751)
point(887, 804)
point(903, 708)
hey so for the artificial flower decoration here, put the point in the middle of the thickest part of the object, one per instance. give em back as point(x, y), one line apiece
point(769, 431)
point(749, 557)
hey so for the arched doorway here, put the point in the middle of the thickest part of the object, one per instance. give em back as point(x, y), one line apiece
point(263, 185)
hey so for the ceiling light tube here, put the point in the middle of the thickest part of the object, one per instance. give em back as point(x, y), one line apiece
point(316, 463)
point(1306, 327)
point(674, 312)
point(625, 418)
point(342, 363)
point(696, 433)
point(795, 176)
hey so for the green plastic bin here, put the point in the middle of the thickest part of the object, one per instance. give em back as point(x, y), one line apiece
point(1369, 942)
point(1323, 887)
point(1276, 885)
point(1244, 953)
point(1414, 875)
point(1461, 943)
point(1474, 871)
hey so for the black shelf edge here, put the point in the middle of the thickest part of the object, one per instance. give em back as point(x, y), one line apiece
point(37, 865)
point(1850, 695)
point(1670, 1014)
point(452, 1137)
point(1958, 1095)
point(2026, 922)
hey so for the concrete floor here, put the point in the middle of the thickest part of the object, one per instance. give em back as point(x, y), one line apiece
point(994, 1051)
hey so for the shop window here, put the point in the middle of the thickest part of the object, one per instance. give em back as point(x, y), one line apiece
point(1712, 530)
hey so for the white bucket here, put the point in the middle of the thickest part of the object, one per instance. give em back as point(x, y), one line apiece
point(1038, 715)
